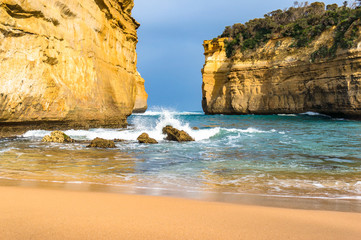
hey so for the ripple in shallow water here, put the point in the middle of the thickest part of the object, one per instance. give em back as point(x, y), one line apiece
point(301, 155)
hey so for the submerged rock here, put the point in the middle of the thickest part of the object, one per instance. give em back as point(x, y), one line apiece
point(144, 138)
point(83, 141)
point(174, 134)
point(101, 143)
point(195, 128)
point(58, 137)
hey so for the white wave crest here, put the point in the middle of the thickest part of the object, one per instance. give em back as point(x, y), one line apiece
point(4, 150)
point(249, 130)
point(314, 114)
point(141, 125)
point(169, 118)
point(311, 113)
point(158, 111)
point(36, 134)
point(287, 115)
point(155, 113)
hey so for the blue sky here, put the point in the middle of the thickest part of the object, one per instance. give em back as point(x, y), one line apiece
point(170, 51)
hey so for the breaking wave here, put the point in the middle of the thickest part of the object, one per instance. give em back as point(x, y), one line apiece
point(140, 125)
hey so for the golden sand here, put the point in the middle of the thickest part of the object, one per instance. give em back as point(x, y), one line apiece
point(58, 214)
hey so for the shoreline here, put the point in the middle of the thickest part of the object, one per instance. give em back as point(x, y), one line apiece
point(16, 129)
point(285, 202)
point(13, 130)
point(60, 214)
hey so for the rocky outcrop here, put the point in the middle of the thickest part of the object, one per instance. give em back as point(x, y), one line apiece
point(174, 134)
point(101, 143)
point(144, 138)
point(278, 78)
point(68, 63)
point(141, 98)
point(58, 137)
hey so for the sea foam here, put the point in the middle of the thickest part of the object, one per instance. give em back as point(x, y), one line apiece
point(169, 118)
point(140, 125)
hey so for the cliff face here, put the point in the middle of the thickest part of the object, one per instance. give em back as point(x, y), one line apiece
point(69, 62)
point(140, 105)
point(277, 78)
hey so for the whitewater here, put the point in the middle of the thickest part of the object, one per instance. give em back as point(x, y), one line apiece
point(293, 155)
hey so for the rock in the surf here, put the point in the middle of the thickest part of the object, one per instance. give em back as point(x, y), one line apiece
point(144, 138)
point(174, 134)
point(101, 143)
point(57, 137)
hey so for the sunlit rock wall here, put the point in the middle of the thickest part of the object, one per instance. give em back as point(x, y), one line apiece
point(68, 62)
point(277, 78)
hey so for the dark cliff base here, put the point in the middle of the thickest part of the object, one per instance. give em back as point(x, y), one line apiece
point(140, 110)
point(14, 129)
point(331, 115)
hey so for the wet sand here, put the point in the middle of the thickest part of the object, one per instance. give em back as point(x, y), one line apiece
point(58, 214)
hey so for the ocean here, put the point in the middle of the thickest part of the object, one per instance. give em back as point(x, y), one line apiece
point(294, 156)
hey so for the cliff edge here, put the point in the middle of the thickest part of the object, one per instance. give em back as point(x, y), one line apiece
point(298, 65)
point(69, 63)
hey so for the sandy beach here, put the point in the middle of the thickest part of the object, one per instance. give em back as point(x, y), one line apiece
point(58, 214)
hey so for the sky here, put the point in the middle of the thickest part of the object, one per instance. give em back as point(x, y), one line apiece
point(170, 50)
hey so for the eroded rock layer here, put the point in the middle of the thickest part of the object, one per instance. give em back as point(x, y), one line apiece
point(68, 62)
point(140, 105)
point(277, 78)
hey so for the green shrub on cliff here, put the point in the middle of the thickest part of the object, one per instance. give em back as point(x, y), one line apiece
point(303, 22)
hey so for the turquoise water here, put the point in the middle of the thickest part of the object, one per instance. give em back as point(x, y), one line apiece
point(304, 156)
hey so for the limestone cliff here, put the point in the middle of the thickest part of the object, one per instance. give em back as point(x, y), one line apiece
point(140, 105)
point(68, 62)
point(277, 78)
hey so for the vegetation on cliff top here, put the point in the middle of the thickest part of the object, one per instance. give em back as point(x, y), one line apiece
point(303, 22)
